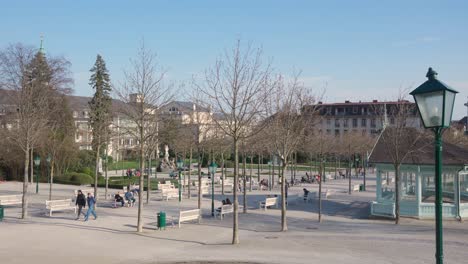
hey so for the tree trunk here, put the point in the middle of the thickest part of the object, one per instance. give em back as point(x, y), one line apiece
point(52, 166)
point(190, 174)
point(349, 177)
point(24, 207)
point(235, 218)
point(244, 172)
point(148, 179)
point(222, 173)
point(320, 197)
point(258, 168)
point(105, 171)
point(31, 165)
point(272, 174)
point(364, 165)
point(291, 167)
point(284, 224)
point(251, 168)
point(200, 159)
point(96, 171)
point(141, 182)
point(397, 193)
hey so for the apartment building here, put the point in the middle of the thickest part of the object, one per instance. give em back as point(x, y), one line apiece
point(367, 118)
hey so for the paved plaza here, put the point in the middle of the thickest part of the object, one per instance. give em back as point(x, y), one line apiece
point(346, 234)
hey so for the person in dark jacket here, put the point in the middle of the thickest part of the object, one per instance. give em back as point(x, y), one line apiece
point(80, 202)
point(91, 204)
point(119, 199)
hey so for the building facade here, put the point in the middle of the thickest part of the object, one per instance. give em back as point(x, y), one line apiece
point(366, 118)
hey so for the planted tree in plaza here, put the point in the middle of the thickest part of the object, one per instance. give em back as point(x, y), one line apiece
point(33, 80)
point(320, 144)
point(235, 88)
point(59, 138)
point(400, 135)
point(100, 110)
point(287, 124)
point(143, 92)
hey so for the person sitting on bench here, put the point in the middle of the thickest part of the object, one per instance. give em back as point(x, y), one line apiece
point(119, 198)
point(129, 197)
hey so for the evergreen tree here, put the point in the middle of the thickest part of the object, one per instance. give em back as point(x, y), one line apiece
point(100, 106)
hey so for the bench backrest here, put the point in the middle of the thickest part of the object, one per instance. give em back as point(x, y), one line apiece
point(227, 208)
point(5, 198)
point(57, 203)
point(169, 190)
point(10, 199)
point(189, 214)
point(270, 201)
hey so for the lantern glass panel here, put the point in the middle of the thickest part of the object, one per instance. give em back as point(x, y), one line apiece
point(449, 101)
point(431, 108)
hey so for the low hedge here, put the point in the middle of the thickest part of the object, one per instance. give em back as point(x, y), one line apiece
point(74, 178)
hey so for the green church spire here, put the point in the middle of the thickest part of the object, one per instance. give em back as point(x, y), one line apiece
point(41, 49)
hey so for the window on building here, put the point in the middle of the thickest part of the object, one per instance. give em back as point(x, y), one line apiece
point(392, 121)
point(337, 122)
point(355, 110)
point(345, 122)
point(373, 122)
point(329, 110)
point(363, 122)
point(75, 114)
point(337, 132)
point(328, 131)
point(328, 122)
point(355, 122)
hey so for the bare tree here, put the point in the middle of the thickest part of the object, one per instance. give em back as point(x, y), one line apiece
point(398, 139)
point(33, 80)
point(235, 87)
point(142, 92)
point(287, 125)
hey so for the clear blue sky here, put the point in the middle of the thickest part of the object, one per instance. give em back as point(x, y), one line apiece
point(359, 50)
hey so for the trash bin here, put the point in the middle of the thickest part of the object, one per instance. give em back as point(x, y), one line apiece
point(361, 187)
point(161, 220)
point(1, 213)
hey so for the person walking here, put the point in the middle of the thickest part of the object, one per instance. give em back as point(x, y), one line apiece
point(80, 202)
point(91, 206)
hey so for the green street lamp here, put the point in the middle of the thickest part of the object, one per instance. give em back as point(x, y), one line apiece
point(37, 162)
point(435, 101)
point(212, 168)
point(180, 167)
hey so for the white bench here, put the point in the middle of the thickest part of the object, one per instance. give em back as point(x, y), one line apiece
point(225, 209)
point(189, 215)
point(355, 188)
point(167, 185)
point(269, 202)
point(60, 205)
point(169, 194)
point(10, 199)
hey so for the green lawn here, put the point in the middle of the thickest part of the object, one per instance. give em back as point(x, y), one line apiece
point(123, 165)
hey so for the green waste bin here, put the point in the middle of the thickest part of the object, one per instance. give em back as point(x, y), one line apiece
point(161, 220)
point(361, 187)
point(1, 213)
